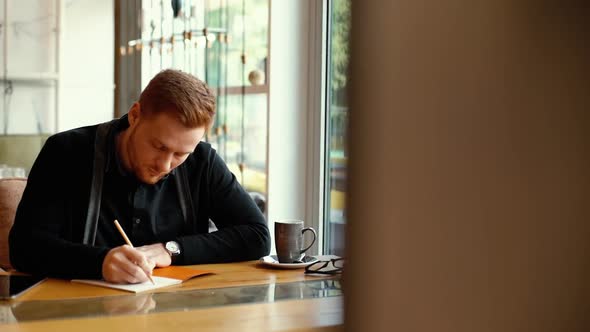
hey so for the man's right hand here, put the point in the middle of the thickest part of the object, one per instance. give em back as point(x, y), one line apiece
point(126, 265)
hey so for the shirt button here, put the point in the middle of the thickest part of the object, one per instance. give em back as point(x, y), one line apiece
point(137, 221)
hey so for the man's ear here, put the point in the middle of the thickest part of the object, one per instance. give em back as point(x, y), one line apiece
point(134, 113)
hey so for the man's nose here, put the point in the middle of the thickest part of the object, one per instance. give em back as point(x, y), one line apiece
point(164, 163)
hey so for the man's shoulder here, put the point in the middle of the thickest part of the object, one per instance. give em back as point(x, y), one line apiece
point(72, 140)
point(71, 149)
point(76, 133)
point(204, 150)
point(204, 155)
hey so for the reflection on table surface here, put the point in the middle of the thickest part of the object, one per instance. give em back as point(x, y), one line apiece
point(183, 300)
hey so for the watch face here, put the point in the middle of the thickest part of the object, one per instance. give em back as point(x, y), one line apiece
point(172, 247)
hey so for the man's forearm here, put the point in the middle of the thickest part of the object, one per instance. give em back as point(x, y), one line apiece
point(235, 243)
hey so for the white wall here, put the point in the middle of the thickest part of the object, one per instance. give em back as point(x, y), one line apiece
point(287, 107)
point(294, 112)
point(88, 63)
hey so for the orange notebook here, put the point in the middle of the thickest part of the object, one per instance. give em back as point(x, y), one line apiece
point(163, 277)
point(179, 272)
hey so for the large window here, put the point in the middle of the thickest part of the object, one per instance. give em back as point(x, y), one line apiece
point(336, 124)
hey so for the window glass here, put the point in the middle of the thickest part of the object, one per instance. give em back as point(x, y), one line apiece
point(244, 142)
point(337, 120)
point(248, 33)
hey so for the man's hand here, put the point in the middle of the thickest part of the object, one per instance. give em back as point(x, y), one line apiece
point(127, 265)
point(157, 254)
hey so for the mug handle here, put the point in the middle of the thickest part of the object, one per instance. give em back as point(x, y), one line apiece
point(314, 237)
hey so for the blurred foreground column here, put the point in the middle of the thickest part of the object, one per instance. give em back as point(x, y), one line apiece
point(470, 160)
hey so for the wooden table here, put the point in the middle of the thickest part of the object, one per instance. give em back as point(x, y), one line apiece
point(236, 297)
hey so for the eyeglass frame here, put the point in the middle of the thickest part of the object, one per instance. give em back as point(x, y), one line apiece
point(333, 261)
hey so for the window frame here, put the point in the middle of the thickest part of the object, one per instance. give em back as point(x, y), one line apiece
point(317, 121)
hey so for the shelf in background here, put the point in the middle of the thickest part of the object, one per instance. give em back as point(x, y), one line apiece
point(31, 77)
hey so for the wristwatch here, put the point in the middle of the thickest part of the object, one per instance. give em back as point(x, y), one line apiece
point(173, 249)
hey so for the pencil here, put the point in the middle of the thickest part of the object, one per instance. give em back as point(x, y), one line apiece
point(129, 243)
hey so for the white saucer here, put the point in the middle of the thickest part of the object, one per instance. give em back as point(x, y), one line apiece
point(273, 261)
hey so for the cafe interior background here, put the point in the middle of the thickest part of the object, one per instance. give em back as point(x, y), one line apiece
point(466, 193)
point(71, 63)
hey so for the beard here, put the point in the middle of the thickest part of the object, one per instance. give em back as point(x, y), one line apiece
point(148, 176)
point(143, 173)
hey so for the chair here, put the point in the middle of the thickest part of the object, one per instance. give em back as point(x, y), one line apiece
point(259, 199)
point(11, 191)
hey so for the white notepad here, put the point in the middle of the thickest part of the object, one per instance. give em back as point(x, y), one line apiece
point(163, 277)
point(135, 288)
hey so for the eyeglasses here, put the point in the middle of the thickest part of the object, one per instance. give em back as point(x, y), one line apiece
point(333, 266)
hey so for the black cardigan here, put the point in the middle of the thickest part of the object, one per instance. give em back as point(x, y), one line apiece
point(47, 235)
